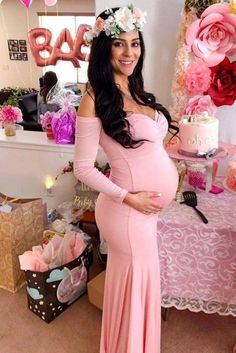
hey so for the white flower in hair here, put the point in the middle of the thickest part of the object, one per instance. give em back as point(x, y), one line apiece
point(110, 26)
point(88, 36)
point(124, 19)
point(140, 18)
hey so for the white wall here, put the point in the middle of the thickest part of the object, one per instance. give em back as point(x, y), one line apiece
point(28, 158)
point(227, 122)
point(15, 23)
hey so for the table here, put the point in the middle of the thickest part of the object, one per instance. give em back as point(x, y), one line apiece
point(198, 261)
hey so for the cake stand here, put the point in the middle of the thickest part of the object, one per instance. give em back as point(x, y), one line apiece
point(227, 150)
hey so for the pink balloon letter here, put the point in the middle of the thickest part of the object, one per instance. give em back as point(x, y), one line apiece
point(55, 52)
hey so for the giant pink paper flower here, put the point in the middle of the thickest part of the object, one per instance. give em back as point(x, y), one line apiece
point(197, 77)
point(223, 85)
point(200, 104)
point(213, 35)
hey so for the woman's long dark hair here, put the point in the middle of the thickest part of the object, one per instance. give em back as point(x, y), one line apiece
point(108, 98)
point(49, 80)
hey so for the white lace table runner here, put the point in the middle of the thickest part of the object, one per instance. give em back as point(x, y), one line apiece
point(198, 261)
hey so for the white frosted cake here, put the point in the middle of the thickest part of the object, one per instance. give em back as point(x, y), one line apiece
point(198, 134)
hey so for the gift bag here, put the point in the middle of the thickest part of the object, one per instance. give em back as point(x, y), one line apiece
point(63, 126)
point(63, 122)
point(20, 229)
point(50, 293)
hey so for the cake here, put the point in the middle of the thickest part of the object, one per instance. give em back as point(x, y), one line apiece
point(198, 134)
point(231, 175)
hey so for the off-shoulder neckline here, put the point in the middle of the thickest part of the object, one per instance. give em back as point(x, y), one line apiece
point(144, 115)
point(127, 117)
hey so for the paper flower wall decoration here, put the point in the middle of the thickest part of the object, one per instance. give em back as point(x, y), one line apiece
point(205, 73)
point(213, 36)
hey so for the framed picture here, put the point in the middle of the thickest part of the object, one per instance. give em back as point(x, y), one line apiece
point(22, 42)
point(13, 45)
point(15, 48)
point(13, 41)
point(23, 49)
point(24, 56)
point(11, 56)
point(15, 56)
point(19, 56)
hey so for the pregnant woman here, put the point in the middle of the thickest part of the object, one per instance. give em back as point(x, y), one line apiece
point(117, 113)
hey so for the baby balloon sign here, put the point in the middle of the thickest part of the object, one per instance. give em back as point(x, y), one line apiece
point(46, 54)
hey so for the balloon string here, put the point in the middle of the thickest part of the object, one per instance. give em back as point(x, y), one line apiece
point(29, 56)
point(57, 10)
point(46, 39)
point(19, 74)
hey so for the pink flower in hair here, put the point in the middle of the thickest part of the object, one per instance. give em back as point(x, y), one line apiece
point(99, 24)
point(213, 35)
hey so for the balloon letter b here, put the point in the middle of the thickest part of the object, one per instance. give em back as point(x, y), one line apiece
point(36, 47)
point(55, 53)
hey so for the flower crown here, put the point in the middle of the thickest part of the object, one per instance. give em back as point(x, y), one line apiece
point(126, 19)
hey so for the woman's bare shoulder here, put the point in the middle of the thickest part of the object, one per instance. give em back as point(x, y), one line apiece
point(87, 106)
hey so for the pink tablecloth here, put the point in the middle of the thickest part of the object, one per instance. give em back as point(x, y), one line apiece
point(198, 261)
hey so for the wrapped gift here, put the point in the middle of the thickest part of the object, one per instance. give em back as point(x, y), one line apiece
point(21, 227)
point(63, 122)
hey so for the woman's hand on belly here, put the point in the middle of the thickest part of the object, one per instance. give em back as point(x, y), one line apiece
point(144, 201)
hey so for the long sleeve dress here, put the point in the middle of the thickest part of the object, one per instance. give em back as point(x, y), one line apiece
point(132, 298)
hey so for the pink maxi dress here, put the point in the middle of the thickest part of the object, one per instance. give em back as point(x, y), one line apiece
point(132, 298)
